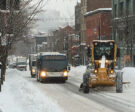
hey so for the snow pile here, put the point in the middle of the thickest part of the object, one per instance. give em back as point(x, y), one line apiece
point(129, 76)
point(20, 95)
point(76, 74)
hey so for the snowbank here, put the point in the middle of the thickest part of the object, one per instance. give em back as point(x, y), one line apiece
point(20, 95)
point(129, 76)
point(77, 72)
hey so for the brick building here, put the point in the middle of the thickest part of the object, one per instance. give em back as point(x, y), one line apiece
point(86, 6)
point(95, 4)
point(73, 48)
point(98, 25)
point(61, 38)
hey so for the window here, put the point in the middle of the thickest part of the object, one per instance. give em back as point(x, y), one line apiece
point(115, 10)
point(121, 8)
point(103, 38)
point(128, 7)
point(134, 7)
point(14, 4)
point(3, 4)
point(104, 49)
point(134, 32)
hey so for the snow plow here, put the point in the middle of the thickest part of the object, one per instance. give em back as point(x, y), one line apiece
point(101, 72)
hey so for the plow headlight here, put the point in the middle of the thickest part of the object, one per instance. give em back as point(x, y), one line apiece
point(65, 73)
point(95, 71)
point(111, 71)
point(43, 74)
point(106, 61)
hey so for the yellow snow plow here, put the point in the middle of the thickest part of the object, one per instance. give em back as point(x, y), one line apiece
point(102, 72)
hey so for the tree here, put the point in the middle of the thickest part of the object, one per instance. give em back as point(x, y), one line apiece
point(14, 23)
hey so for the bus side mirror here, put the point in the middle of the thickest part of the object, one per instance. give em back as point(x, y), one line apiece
point(89, 52)
point(68, 68)
point(118, 52)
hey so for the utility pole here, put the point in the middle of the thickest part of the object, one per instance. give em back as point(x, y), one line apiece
point(99, 30)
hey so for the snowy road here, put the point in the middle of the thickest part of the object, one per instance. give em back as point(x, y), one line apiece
point(66, 97)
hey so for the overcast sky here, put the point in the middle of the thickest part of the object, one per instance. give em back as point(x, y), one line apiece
point(57, 13)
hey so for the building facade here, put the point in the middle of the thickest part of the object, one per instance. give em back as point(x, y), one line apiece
point(78, 18)
point(98, 25)
point(123, 23)
point(61, 37)
point(73, 49)
point(95, 4)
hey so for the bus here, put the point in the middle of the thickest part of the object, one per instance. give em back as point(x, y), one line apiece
point(52, 65)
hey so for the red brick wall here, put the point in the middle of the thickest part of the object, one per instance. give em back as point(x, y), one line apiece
point(95, 4)
point(68, 30)
point(95, 23)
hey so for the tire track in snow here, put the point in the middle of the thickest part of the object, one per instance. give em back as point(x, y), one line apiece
point(112, 104)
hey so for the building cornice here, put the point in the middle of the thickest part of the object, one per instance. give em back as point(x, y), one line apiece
point(97, 11)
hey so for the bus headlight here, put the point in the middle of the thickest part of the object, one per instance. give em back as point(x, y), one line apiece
point(33, 70)
point(43, 74)
point(65, 73)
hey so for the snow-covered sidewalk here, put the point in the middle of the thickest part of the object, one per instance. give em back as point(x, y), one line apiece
point(20, 95)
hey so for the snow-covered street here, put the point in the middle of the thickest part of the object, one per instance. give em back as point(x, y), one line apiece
point(21, 93)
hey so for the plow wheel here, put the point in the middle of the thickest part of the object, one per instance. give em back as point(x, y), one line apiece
point(119, 80)
point(85, 85)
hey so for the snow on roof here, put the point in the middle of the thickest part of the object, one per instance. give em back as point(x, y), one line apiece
point(97, 10)
point(44, 43)
point(83, 43)
point(7, 11)
point(51, 53)
point(103, 40)
point(75, 46)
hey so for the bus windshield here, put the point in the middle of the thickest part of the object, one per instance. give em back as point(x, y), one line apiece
point(54, 63)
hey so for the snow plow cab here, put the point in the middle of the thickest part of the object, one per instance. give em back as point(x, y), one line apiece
point(101, 72)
